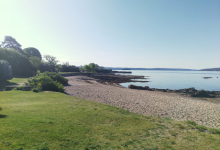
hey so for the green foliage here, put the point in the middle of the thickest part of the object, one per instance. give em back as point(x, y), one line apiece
point(36, 62)
point(21, 66)
point(45, 83)
point(91, 67)
point(215, 131)
point(31, 51)
point(56, 77)
point(10, 42)
point(201, 128)
point(5, 71)
point(191, 122)
point(52, 61)
point(86, 68)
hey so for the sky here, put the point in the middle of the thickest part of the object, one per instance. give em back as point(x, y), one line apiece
point(118, 33)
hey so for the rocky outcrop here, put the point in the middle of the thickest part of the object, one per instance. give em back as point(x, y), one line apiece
point(111, 78)
point(187, 92)
point(131, 86)
point(207, 77)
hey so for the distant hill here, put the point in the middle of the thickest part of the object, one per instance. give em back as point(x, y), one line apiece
point(210, 69)
point(164, 69)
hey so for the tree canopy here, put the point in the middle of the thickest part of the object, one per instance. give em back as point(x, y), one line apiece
point(91, 67)
point(31, 51)
point(36, 62)
point(52, 61)
point(10, 42)
point(21, 66)
point(5, 71)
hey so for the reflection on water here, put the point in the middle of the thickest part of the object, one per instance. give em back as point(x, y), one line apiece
point(178, 79)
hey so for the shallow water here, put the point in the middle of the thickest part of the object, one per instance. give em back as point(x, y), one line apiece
point(178, 79)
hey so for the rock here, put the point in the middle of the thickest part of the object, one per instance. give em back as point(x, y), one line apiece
point(131, 86)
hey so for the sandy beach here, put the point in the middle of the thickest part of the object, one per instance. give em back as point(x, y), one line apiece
point(150, 103)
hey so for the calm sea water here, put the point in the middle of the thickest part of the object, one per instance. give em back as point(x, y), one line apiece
point(178, 79)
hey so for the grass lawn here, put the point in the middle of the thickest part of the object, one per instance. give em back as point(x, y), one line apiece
point(50, 120)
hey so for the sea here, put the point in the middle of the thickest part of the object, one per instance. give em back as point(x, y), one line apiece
point(176, 79)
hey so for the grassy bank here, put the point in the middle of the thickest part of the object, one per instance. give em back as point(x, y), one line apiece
point(51, 120)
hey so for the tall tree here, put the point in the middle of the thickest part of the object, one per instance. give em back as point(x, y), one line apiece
point(86, 68)
point(31, 51)
point(20, 64)
point(93, 66)
point(52, 61)
point(10, 42)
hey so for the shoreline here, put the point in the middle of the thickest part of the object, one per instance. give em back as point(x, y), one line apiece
point(113, 79)
point(149, 103)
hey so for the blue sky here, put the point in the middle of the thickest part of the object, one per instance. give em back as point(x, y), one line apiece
point(118, 33)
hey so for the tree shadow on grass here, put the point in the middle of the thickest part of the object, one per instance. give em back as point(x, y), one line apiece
point(3, 116)
point(7, 83)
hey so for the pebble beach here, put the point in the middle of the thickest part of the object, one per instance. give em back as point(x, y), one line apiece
point(150, 103)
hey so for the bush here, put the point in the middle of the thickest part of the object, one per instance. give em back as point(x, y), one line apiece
point(45, 83)
point(56, 77)
point(19, 62)
point(5, 71)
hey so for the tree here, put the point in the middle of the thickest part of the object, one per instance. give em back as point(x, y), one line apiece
point(52, 61)
point(66, 64)
point(93, 66)
point(10, 42)
point(5, 71)
point(66, 67)
point(36, 62)
point(86, 68)
point(31, 51)
point(21, 66)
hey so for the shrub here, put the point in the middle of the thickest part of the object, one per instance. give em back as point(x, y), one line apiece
point(56, 77)
point(5, 71)
point(45, 83)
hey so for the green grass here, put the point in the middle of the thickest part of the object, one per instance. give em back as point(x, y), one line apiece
point(51, 120)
